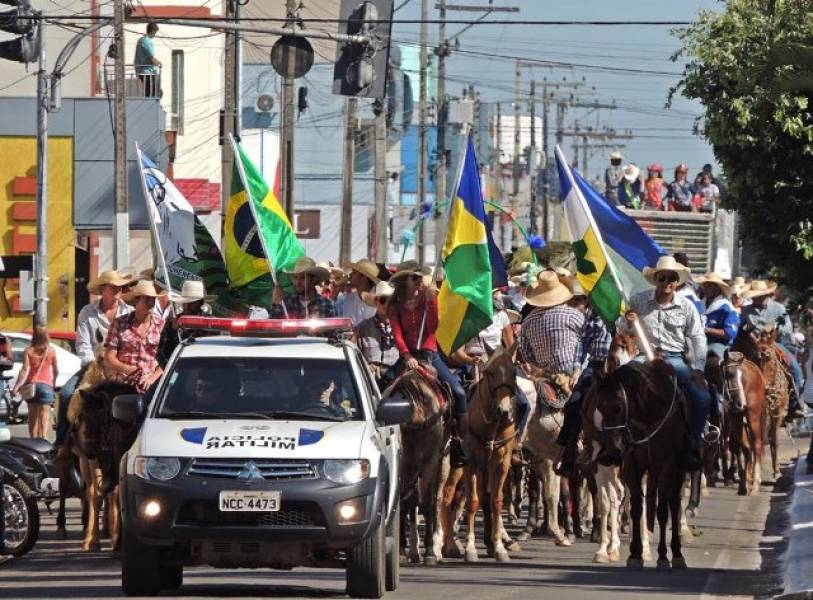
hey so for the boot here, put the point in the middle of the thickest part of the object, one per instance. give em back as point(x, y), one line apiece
point(567, 464)
point(794, 410)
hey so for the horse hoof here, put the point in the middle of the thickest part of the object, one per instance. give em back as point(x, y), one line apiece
point(471, 556)
point(614, 555)
point(578, 532)
point(514, 547)
point(679, 563)
point(415, 559)
point(691, 512)
point(430, 561)
point(686, 535)
point(635, 563)
point(453, 552)
point(563, 541)
point(502, 556)
point(663, 564)
point(601, 558)
point(524, 536)
point(741, 491)
point(646, 554)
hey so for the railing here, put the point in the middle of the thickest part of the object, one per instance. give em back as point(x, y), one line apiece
point(136, 84)
point(691, 233)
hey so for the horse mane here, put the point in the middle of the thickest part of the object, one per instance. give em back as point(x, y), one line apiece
point(104, 392)
point(640, 381)
point(413, 385)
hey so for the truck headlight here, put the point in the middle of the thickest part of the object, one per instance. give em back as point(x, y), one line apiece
point(157, 468)
point(346, 472)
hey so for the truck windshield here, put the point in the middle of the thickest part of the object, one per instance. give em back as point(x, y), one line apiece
point(260, 388)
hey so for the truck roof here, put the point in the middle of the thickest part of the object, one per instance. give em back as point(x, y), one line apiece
point(299, 347)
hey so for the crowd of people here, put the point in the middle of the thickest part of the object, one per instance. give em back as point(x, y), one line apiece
point(626, 186)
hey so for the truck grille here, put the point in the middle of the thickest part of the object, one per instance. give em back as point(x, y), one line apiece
point(271, 469)
point(293, 514)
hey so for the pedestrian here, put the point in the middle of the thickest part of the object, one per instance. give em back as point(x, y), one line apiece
point(36, 382)
point(709, 194)
point(6, 364)
point(374, 335)
point(631, 187)
point(655, 188)
point(131, 346)
point(679, 195)
point(612, 177)
point(363, 276)
point(305, 302)
point(146, 65)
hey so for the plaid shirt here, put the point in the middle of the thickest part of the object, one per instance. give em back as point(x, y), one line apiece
point(595, 339)
point(550, 337)
point(131, 347)
point(318, 307)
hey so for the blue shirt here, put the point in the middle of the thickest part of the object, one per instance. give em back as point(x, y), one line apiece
point(720, 314)
point(145, 52)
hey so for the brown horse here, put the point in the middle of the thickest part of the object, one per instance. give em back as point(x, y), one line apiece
point(492, 436)
point(423, 441)
point(641, 416)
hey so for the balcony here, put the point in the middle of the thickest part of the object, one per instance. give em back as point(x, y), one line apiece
point(136, 85)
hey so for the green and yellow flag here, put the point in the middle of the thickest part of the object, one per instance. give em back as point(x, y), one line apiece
point(246, 240)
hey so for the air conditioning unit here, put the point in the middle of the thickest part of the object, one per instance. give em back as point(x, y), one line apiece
point(264, 104)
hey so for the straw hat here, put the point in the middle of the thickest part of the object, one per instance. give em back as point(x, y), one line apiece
point(410, 267)
point(307, 266)
point(549, 292)
point(667, 263)
point(738, 290)
point(364, 267)
point(142, 288)
point(192, 291)
point(739, 280)
point(715, 278)
point(616, 155)
point(381, 289)
point(759, 288)
point(109, 278)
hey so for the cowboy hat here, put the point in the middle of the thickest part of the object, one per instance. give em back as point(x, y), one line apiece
point(760, 288)
point(142, 288)
point(192, 291)
point(631, 172)
point(307, 266)
point(382, 289)
point(334, 273)
point(738, 290)
point(410, 267)
point(616, 155)
point(549, 292)
point(109, 278)
point(667, 263)
point(364, 267)
point(712, 277)
point(565, 276)
point(739, 280)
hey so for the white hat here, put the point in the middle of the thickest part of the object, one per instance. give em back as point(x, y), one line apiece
point(192, 291)
point(616, 155)
point(382, 289)
point(667, 263)
point(631, 173)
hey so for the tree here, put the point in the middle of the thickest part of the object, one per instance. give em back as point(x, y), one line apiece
point(750, 66)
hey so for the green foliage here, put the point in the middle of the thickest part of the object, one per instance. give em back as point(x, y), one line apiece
point(749, 66)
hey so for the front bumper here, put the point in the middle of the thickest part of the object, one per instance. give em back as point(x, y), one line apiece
point(190, 512)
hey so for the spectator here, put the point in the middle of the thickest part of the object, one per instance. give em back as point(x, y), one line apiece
point(709, 194)
point(36, 380)
point(679, 196)
point(306, 302)
point(612, 177)
point(631, 187)
point(6, 360)
point(146, 65)
point(655, 188)
point(715, 180)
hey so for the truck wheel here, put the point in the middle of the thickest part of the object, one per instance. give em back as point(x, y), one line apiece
point(21, 518)
point(171, 577)
point(141, 571)
point(366, 565)
point(393, 577)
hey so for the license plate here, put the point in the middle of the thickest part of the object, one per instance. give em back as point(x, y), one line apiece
point(240, 501)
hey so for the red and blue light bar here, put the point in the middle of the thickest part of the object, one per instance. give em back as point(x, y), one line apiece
point(266, 327)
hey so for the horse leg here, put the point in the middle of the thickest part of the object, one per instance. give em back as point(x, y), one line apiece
point(114, 518)
point(533, 504)
point(663, 516)
point(414, 538)
point(574, 484)
point(635, 560)
point(497, 478)
point(603, 509)
point(565, 505)
point(452, 548)
point(595, 496)
point(518, 473)
point(485, 504)
point(474, 504)
point(694, 493)
point(91, 542)
point(402, 541)
point(551, 482)
point(678, 562)
point(685, 532)
point(774, 441)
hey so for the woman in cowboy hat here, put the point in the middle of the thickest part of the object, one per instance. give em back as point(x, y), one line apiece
point(374, 335)
point(721, 320)
point(305, 302)
point(191, 301)
point(363, 276)
point(131, 347)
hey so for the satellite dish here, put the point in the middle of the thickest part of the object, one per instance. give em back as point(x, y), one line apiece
point(264, 103)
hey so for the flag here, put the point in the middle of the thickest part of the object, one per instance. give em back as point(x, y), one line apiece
point(499, 273)
point(247, 240)
point(189, 250)
point(465, 301)
point(604, 238)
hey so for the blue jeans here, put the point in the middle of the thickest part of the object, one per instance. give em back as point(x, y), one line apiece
point(717, 349)
point(523, 409)
point(699, 398)
point(795, 369)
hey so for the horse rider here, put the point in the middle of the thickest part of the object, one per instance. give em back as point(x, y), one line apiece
point(594, 347)
point(721, 324)
point(91, 330)
point(191, 301)
point(374, 335)
point(131, 346)
point(765, 311)
point(363, 277)
point(305, 302)
point(673, 326)
point(414, 320)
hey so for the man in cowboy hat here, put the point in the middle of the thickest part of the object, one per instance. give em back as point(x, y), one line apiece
point(374, 335)
point(131, 346)
point(673, 326)
point(305, 302)
point(91, 330)
point(612, 177)
point(193, 301)
point(363, 276)
point(764, 311)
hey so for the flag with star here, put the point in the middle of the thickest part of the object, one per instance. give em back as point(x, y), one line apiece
point(611, 248)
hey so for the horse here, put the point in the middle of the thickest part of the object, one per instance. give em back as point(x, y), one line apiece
point(492, 433)
point(641, 416)
point(423, 441)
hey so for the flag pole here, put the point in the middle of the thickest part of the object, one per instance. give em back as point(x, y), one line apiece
point(438, 251)
point(271, 269)
point(156, 239)
point(639, 330)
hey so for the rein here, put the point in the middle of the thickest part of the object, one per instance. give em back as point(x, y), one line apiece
point(626, 425)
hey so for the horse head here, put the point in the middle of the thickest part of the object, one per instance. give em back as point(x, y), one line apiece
point(765, 340)
point(622, 350)
point(733, 385)
point(500, 381)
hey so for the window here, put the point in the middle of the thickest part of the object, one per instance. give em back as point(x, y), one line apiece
point(176, 109)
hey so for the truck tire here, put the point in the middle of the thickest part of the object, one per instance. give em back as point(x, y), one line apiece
point(22, 517)
point(366, 565)
point(141, 571)
point(393, 576)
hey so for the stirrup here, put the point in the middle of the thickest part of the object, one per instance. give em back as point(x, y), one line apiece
point(712, 434)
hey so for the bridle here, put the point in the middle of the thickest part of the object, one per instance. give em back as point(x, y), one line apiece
point(626, 425)
point(497, 421)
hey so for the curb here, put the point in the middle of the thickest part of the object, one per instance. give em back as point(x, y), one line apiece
point(797, 561)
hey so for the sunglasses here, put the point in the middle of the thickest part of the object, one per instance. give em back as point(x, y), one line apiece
point(667, 278)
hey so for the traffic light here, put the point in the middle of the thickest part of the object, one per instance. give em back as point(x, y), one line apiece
point(19, 20)
point(361, 69)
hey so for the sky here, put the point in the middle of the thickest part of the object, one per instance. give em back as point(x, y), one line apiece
point(661, 135)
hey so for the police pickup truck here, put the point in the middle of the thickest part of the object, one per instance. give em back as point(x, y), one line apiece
point(265, 445)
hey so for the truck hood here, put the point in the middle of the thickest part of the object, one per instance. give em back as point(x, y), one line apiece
point(251, 438)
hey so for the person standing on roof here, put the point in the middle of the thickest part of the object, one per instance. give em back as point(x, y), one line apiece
point(679, 196)
point(613, 176)
point(655, 188)
point(306, 302)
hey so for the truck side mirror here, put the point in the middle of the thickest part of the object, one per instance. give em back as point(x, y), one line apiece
point(128, 408)
point(394, 410)
point(5, 434)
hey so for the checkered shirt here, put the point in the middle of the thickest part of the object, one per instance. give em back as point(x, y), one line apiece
point(595, 339)
point(550, 338)
point(317, 307)
point(131, 347)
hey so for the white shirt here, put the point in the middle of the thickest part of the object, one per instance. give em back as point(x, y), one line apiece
point(91, 329)
point(352, 306)
point(492, 335)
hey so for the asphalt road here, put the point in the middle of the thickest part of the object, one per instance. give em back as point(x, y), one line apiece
point(735, 554)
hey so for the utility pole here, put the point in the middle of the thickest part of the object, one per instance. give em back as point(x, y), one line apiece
point(286, 140)
point(441, 51)
point(548, 171)
point(41, 264)
point(228, 118)
point(238, 75)
point(517, 99)
point(346, 219)
point(121, 223)
point(532, 157)
point(421, 242)
point(381, 210)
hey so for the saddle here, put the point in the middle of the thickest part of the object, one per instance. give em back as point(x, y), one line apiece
point(440, 388)
point(553, 391)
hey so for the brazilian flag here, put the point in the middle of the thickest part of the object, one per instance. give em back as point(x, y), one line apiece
point(246, 239)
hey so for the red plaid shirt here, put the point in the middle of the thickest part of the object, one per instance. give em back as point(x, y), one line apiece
point(131, 347)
